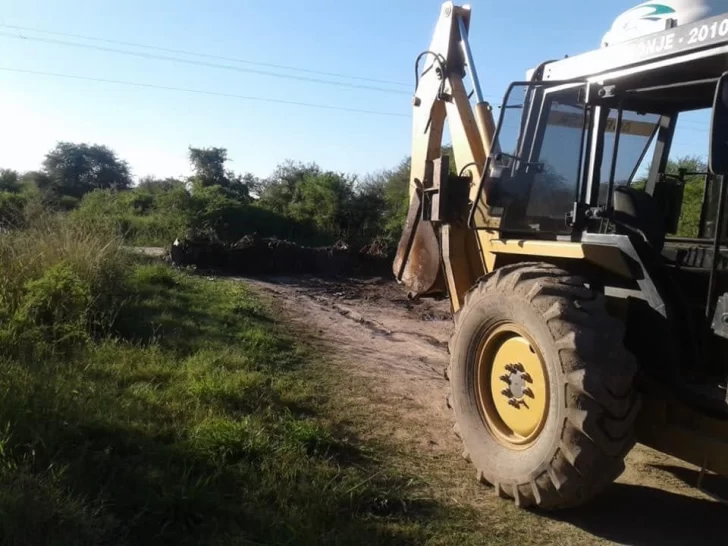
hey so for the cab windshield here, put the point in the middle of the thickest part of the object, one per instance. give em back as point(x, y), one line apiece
point(543, 134)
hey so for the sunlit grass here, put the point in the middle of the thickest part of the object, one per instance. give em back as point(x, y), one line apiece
point(141, 405)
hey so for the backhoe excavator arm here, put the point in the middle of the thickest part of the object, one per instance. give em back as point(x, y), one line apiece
point(437, 250)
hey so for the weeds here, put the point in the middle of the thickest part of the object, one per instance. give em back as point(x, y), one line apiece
point(60, 283)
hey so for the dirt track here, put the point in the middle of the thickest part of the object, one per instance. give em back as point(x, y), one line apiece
point(394, 352)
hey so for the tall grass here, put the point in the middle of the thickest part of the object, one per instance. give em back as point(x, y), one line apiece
point(158, 218)
point(61, 283)
point(139, 217)
point(140, 405)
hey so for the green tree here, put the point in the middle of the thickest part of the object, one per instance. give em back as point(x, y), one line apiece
point(9, 181)
point(278, 191)
point(396, 197)
point(12, 205)
point(366, 211)
point(158, 185)
point(73, 170)
point(209, 166)
point(239, 187)
point(37, 180)
point(689, 223)
point(12, 199)
point(209, 169)
point(323, 199)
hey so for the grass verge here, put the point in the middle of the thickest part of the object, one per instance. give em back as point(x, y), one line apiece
point(140, 405)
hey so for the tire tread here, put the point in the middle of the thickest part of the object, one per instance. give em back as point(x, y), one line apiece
point(601, 404)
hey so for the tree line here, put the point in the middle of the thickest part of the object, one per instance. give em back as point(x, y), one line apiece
point(299, 201)
point(302, 202)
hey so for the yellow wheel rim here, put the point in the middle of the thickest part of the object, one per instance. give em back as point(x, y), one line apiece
point(512, 387)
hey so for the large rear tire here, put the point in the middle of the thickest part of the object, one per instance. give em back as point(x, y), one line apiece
point(542, 386)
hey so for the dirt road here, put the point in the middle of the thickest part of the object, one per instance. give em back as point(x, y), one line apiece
point(393, 351)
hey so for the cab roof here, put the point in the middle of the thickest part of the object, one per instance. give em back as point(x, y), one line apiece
point(695, 52)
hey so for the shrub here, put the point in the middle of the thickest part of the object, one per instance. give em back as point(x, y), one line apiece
point(142, 217)
point(54, 309)
point(60, 283)
point(12, 207)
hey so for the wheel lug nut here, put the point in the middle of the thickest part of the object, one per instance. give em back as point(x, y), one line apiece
point(513, 402)
point(527, 377)
point(528, 392)
point(519, 367)
point(506, 393)
point(510, 368)
point(505, 378)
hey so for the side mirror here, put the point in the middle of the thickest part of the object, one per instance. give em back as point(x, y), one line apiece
point(495, 186)
point(718, 153)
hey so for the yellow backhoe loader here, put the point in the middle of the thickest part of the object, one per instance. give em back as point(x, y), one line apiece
point(582, 322)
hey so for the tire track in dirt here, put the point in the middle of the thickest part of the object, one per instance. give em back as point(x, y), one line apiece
point(395, 355)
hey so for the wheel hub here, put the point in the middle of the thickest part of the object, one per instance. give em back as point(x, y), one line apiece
point(517, 384)
point(513, 387)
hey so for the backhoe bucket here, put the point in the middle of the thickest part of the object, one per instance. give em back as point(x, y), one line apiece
point(417, 262)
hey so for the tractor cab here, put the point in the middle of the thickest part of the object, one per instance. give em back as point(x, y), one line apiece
point(586, 150)
point(576, 154)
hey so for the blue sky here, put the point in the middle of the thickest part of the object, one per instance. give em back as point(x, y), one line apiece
point(152, 128)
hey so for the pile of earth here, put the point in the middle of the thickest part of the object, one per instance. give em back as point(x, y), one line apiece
point(254, 255)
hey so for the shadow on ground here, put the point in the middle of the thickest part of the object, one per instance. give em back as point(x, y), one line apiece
point(714, 485)
point(642, 516)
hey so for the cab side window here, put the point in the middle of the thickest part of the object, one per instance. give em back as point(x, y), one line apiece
point(688, 163)
point(635, 150)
